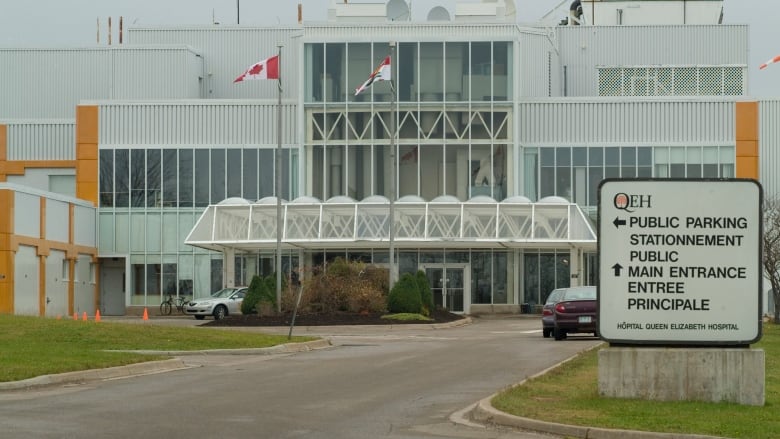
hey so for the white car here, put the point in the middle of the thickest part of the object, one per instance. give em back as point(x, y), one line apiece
point(220, 304)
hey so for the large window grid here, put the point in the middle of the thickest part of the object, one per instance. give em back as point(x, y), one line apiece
point(171, 178)
point(574, 173)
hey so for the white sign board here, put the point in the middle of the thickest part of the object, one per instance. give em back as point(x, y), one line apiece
point(680, 261)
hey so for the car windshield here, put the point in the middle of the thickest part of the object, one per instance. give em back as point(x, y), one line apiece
point(553, 297)
point(580, 294)
point(225, 292)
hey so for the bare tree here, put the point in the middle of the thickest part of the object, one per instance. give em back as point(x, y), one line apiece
point(771, 241)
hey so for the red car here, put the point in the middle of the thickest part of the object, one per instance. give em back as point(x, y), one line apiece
point(575, 312)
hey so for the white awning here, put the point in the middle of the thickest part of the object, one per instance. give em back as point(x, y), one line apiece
point(445, 222)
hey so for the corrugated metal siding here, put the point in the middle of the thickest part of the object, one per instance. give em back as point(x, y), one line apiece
point(583, 48)
point(415, 31)
point(537, 61)
point(769, 147)
point(42, 140)
point(196, 123)
point(604, 121)
point(49, 83)
point(228, 51)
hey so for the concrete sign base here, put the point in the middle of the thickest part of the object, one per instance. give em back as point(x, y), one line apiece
point(683, 374)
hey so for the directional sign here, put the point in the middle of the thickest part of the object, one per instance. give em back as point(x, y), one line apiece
point(680, 261)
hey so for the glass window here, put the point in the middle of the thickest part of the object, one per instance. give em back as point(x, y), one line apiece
point(432, 179)
point(628, 162)
point(318, 171)
point(693, 162)
point(677, 162)
point(727, 159)
point(249, 174)
point(710, 162)
point(531, 281)
point(612, 162)
point(233, 170)
point(122, 177)
point(480, 77)
point(359, 171)
point(335, 79)
point(185, 178)
point(499, 68)
point(547, 172)
point(153, 176)
point(481, 279)
point(266, 173)
point(644, 162)
point(217, 175)
point(662, 162)
point(360, 64)
point(106, 178)
point(137, 177)
point(457, 69)
point(408, 85)
point(432, 72)
point(201, 169)
point(563, 172)
point(315, 72)
point(335, 170)
point(169, 178)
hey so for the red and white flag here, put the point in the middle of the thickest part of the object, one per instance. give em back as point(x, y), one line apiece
point(265, 69)
point(771, 61)
point(382, 73)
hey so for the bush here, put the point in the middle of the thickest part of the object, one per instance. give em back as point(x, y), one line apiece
point(342, 287)
point(426, 295)
point(262, 290)
point(249, 305)
point(405, 296)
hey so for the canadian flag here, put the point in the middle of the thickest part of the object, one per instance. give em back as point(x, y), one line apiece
point(265, 69)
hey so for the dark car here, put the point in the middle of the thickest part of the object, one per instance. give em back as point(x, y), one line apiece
point(575, 312)
point(547, 311)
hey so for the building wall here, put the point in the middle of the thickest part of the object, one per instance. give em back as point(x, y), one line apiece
point(28, 91)
point(63, 228)
point(585, 48)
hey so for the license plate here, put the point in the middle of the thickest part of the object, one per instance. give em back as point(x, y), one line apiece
point(585, 319)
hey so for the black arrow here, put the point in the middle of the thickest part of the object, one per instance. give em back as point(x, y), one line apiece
point(617, 268)
point(619, 222)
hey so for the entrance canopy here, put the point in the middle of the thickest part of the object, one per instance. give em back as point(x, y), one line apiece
point(342, 222)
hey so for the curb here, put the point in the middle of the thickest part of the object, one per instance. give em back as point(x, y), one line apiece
point(287, 348)
point(84, 376)
point(484, 412)
point(151, 367)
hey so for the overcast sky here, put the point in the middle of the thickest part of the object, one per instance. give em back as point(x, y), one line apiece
point(57, 23)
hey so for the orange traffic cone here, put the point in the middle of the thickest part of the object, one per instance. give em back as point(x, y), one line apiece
point(97, 315)
point(84, 316)
point(75, 315)
point(146, 314)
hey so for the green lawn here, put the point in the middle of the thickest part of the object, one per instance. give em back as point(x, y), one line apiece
point(569, 394)
point(34, 346)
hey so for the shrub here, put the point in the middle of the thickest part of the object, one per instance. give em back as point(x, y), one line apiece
point(426, 295)
point(249, 305)
point(342, 287)
point(405, 295)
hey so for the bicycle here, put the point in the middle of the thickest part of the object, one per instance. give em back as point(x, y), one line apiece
point(166, 307)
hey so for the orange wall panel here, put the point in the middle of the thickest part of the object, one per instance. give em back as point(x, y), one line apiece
point(87, 171)
point(747, 148)
point(87, 191)
point(747, 120)
point(86, 125)
point(747, 167)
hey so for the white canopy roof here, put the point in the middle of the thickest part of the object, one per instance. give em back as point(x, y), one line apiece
point(342, 222)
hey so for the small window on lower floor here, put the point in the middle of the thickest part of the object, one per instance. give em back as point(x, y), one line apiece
point(65, 269)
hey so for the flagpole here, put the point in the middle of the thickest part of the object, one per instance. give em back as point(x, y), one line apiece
point(279, 187)
point(393, 191)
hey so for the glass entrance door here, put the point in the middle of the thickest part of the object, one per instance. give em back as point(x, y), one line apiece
point(448, 285)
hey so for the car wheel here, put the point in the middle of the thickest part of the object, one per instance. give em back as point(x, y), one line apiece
point(200, 317)
point(220, 312)
point(546, 332)
point(559, 334)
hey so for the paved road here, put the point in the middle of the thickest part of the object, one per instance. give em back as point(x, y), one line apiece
point(374, 382)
